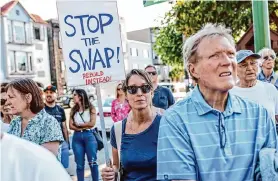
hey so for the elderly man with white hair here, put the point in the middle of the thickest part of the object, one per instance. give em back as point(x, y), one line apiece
point(250, 88)
point(212, 134)
point(267, 73)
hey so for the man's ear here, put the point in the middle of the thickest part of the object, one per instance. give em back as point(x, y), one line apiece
point(193, 70)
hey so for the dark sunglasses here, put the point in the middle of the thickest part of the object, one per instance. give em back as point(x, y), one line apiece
point(152, 73)
point(3, 101)
point(267, 57)
point(134, 89)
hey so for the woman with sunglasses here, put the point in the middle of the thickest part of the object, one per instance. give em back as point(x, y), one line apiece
point(82, 121)
point(120, 107)
point(267, 73)
point(138, 148)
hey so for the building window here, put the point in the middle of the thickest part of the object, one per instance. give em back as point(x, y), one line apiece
point(135, 66)
point(146, 53)
point(134, 52)
point(20, 62)
point(17, 12)
point(19, 32)
point(37, 33)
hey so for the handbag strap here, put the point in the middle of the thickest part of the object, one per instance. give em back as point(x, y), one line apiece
point(118, 133)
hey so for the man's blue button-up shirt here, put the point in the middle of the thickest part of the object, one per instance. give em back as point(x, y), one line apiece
point(201, 143)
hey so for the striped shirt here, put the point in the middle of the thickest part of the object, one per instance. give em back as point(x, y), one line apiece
point(198, 142)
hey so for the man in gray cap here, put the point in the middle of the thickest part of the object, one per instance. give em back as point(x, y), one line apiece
point(249, 87)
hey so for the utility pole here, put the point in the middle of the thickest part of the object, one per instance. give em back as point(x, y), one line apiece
point(261, 24)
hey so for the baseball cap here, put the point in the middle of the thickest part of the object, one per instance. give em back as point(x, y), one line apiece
point(51, 88)
point(243, 54)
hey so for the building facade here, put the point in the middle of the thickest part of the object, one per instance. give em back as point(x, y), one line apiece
point(139, 55)
point(147, 35)
point(22, 54)
point(57, 64)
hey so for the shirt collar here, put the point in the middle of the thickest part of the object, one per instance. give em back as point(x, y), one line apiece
point(262, 76)
point(203, 107)
point(37, 117)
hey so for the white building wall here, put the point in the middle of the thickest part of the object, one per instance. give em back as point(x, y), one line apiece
point(41, 59)
point(139, 55)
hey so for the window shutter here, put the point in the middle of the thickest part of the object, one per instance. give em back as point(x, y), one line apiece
point(42, 33)
point(28, 31)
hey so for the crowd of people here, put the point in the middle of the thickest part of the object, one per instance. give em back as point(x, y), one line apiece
point(222, 130)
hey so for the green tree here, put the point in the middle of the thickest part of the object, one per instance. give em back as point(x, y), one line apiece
point(187, 17)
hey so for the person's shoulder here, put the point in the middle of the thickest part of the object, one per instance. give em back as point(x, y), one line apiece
point(268, 86)
point(46, 117)
point(245, 105)
point(179, 108)
point(29, 149)
point(60, 108)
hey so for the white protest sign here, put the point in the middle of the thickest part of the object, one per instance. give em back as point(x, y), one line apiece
point(91, 41)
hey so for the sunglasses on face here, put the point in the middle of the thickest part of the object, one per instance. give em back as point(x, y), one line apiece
point(134, 89)
point(152, 73)
point(3, 101)
point(268, 57)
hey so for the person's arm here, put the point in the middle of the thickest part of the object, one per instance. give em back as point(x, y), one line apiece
point(108, 173)
point(269, 132)
point(92, 122)
point(72, 125)
point(171, 99)
point(52, 135)
point(113, 112)
point(175, 155)
point(64, 126)
point(52, 147)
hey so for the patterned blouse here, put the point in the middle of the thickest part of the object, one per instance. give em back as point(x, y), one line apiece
point(41, 129)
point(119, 111)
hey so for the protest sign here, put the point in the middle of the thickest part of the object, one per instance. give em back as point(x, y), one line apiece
point(91, 41)
point(92, 47)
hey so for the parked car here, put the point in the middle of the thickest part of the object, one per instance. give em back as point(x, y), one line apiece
point(106, 105)
point(66, 100)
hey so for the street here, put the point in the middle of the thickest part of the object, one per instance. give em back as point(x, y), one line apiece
point(72, 166)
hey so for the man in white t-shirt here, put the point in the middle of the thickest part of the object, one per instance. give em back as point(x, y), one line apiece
point(250, 88)
point(22, 160)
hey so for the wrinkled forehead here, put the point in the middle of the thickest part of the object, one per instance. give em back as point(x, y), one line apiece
point(213, 44)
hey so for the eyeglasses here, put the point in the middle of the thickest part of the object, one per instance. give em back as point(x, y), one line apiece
point(134, 89)
point(3, 101)
point(269, 57)
point(152, 73)
point(245, 65)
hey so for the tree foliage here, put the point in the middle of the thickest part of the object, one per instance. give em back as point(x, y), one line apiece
point(187, 17)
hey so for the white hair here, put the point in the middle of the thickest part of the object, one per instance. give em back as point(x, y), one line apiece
point(265, 51)
point(191, 44)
